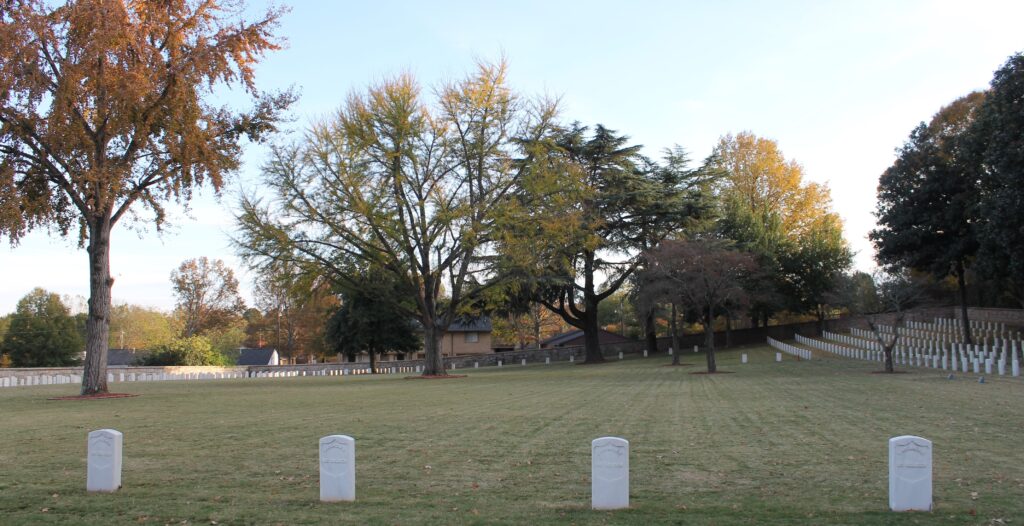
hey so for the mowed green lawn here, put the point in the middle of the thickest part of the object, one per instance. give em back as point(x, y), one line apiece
point(773, 443)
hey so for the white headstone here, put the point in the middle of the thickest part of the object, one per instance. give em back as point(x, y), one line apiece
point(547, 360)
point(609, 470)
point(103, 471)
point(620, 355)
point(645, 353)
point(778, 357)
point(695, 348)
point(670, 351)
point(337, 468)
point(572, 357)
point(476, 365)
point(524, 361)
point(910, 473)
point(743, 358)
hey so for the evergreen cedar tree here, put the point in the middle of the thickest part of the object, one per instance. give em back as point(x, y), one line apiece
point(589, 205)
point(103, 114)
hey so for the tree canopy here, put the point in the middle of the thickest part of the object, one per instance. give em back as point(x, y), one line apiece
point(998, 149)
point(104, 113)
point(396, 183)
point(369, 321)
point(703, 274)
point(207, 295)
point(42, 333)
point(928, 200)
point(787, 223)
point(589, 204)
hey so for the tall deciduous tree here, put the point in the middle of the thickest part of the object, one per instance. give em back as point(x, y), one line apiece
point(701, 274)
point(997, 143)
point(787, 223)
point(928, 200)
point(588, 206)
point(207, 293)
point(103, 113)
point(296, 306)
point(394, 183)
point(137, 327)
point(42, 332)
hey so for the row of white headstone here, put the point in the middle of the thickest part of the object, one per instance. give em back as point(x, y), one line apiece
point(789, 349)
point(909, 341)
point(13, 381)
point(910, 469)
point(956, 358)
point(944, 333)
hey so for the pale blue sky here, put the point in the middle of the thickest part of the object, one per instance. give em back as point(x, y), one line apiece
point(839, 85)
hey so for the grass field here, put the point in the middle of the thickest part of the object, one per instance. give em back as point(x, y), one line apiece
point(773, 443)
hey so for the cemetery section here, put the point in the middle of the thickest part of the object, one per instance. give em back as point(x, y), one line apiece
point(796, 441)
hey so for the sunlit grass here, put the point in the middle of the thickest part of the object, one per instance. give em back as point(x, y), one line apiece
point(773, 443)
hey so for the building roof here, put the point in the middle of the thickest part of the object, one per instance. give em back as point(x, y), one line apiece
point(562, 339)
point(255, 356)
point(125, 356)
point(481, 324)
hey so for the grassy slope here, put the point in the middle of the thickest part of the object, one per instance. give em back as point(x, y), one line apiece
point(793, 442)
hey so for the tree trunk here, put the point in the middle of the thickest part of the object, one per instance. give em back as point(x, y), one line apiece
point(961, 284)
point(433, 363)
point(728, 330)
point(755, 318)
point(591, 336)
point(373, 361)
point(97, 325)
point(709, 340)
point(651, 332)
point(535, 315)
point(821, 319)
point(591, 330)
point(887, 351)
point(675, 337)
point(764, 316)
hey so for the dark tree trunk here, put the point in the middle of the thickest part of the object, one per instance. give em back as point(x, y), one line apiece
point(591, 329)
point(651, 332)
point(755, 319)
point(535, 316)
point(764, 317)
point(709, 340)
point(373, 361)
point(821, 319)
point(961, 284)
point(675, 337)
point(728, 330)
point(433, 360)
point(887, 348)
point(97, 325)
point(591, 335)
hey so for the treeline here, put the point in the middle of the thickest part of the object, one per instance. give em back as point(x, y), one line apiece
point(207, 327)
point(480, 201)
point(949, 208)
